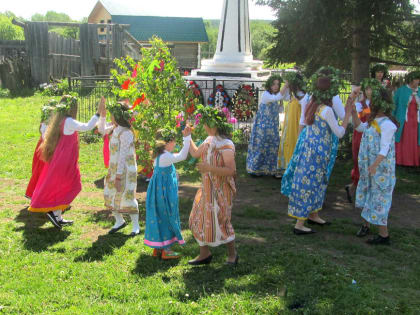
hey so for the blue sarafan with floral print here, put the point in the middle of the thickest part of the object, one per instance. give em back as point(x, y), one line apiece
point(374, 193)
point(264, 143)
point(311, 175)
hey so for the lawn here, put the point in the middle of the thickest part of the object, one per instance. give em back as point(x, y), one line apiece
point(82, 270)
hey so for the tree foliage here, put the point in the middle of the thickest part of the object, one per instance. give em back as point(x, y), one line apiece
point(9, 31)
point(52, 16)
point(157, 78)
point(329, 32)
point(261, 34)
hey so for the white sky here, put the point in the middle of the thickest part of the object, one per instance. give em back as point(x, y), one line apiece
point(77, 9)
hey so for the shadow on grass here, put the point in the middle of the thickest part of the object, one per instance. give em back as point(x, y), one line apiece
point(36, 238)
point(147, 265)
point(104, 246)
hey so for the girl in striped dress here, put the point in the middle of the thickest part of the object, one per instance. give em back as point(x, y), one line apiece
point(211, 213)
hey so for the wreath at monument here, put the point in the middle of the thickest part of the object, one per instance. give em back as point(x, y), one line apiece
point(244, 103)
point(194, 97)
point(219, 98)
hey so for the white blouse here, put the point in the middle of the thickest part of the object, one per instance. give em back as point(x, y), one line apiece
point(268, 98)
point(337, 106)
point(359, 106)
point(168, 158)
point(71, 125)
point(105, 128)
point(388, 130)
point(43, 130)
point(328, 114)
point(126, 137)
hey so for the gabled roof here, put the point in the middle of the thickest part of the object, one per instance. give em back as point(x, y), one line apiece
point(169, 29)
point(118, 8)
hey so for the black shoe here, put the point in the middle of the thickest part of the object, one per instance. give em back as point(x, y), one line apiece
point(364, 230)
point(278, 176)
point(233, 263)
point(66, 222)
point(326, 223)
point(255, 175)
point(349, 198)
point(132, 234)
point(204, 261)
point(379, 240)
point(51, 216)
point(301, 232)
point(114, 230)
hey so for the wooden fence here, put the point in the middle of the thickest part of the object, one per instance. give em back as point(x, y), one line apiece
point(52, 56)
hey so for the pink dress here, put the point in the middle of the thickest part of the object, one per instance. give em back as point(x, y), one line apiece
point(408, 150)
point(37, 167)
point(59, 183)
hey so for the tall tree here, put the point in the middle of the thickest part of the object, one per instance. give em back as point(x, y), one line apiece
point(348, 34)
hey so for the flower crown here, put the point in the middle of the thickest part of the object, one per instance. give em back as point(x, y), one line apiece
point(116, 110)
point(379, 103)
point(47, 110)
point(213, 117)
point(370, 83)
point(412, 76)
point(66, 102)
point(167, 135)
point(294, 79)
point(379, 67)
point(270, 81)
point(336, 84)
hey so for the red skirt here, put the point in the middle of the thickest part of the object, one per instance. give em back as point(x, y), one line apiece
point(408, 150)
point(59, 182)
point(37, 167)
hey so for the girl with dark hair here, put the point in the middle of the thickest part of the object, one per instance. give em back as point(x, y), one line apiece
point(379, 72)
point(290, 127)
point(59, 182)
point(407, 112)
point(121, 181)
point(310, 179)
point(376, 166)
point(211, 213)
point(264, 143)
point(163, 226)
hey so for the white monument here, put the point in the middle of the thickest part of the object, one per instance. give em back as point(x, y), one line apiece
point(233, 58)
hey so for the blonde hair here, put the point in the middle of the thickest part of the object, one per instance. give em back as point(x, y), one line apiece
point(53, 134)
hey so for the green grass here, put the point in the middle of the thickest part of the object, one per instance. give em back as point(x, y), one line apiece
point(81, 270)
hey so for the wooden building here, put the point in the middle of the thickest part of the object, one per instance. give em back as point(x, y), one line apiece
point(183, 35)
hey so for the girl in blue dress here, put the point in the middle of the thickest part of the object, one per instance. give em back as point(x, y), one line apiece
point(163, 227)
point(376, 166)
point(264, 143)
point(310, 179)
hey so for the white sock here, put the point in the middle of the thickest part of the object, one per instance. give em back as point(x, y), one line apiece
point(57, 213)
point(136, 226)
point(119, 220)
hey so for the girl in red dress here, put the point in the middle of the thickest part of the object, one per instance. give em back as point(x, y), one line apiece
point(59, 182)
point(37, 162)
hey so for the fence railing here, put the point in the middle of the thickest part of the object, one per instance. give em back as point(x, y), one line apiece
point(90, 90)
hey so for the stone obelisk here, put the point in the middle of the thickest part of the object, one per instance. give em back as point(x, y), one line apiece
point(233, 57)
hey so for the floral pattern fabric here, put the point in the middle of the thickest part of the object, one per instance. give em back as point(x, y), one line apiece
point(263, 146)
point(310, 179)
point(124, 201)
point(374, 193)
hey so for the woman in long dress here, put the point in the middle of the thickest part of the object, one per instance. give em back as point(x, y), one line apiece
point(407, 112)
point(264, 143)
